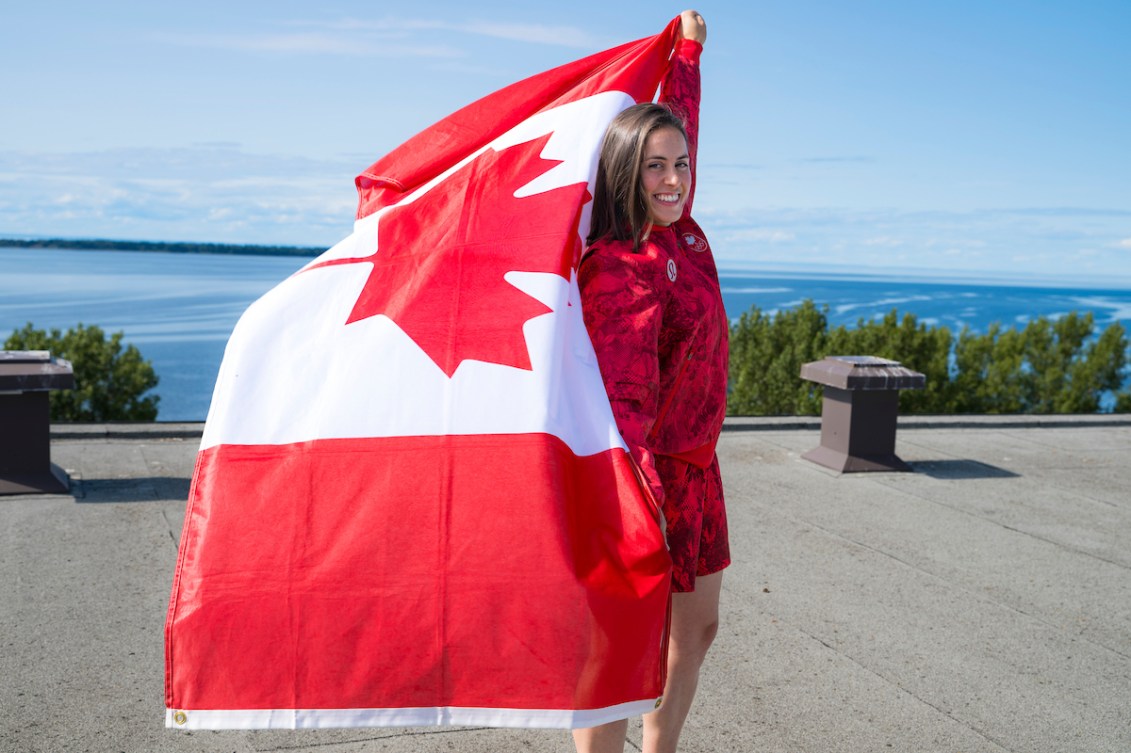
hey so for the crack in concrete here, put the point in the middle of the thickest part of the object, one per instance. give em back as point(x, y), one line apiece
point(900, 688)
point(169, 528)
point(1061, 545)
point(952, 584)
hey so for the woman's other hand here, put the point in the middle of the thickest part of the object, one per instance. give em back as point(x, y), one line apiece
point(692, 26)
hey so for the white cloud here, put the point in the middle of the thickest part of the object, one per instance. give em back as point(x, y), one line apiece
point(199, 193)
point(313, 43)
point(561, 36)
point(1015, 242)
point(883, 241)
point(760, 234)
point(1125, 243)
point(541, 34)
point(400, 38)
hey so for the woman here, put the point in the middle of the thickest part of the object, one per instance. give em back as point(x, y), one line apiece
point(652, 305)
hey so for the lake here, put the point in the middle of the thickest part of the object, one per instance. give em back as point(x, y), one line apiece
point(179, 309)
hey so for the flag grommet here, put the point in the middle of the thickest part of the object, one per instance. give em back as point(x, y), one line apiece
point(180, 717)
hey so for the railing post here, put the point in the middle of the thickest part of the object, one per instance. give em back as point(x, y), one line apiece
point(859, 411)
point(26, 377)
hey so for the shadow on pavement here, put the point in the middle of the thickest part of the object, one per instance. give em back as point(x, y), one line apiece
point(960, 469)
point(149, 489)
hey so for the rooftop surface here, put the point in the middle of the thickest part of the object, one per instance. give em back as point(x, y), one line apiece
point(979, 604)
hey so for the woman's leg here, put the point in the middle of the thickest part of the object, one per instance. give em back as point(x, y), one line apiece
point(608, 738)
point(695, 621)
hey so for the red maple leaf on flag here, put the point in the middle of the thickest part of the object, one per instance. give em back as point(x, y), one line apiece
point(439, 267)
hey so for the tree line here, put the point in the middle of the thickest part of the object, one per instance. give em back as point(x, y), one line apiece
point(1047, 366)
point(171, 247)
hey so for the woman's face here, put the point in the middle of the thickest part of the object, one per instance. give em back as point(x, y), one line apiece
point(665, 175)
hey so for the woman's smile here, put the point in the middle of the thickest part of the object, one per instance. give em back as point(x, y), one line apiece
point(665, 175)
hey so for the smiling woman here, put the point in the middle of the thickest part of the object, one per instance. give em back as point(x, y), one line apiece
point(666, 175)
point(654, 311)
point(644, 151)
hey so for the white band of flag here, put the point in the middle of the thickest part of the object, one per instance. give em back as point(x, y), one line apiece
point(406, 717)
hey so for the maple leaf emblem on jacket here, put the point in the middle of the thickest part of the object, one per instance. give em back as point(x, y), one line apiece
point(441, 259)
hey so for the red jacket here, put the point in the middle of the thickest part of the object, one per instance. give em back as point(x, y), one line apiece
point(657, 322)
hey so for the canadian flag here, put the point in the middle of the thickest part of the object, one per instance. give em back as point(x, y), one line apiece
point(411, 504)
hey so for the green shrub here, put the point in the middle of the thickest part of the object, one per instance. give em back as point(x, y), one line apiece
point(916, 346)
point(988, 372)
point(1047, 367)
point(766, 354)
point(109, 380)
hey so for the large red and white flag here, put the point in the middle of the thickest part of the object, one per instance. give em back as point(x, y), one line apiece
point(411, 504)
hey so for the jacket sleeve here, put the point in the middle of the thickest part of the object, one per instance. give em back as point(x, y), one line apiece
point(680, 91)
point(623, 316)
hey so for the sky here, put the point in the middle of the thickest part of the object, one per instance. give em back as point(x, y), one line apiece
point(981, 139)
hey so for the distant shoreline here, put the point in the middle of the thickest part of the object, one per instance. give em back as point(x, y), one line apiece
point(99, 244)
point(726, 266)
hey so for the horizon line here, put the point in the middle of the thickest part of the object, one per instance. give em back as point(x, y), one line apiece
point(835, 271)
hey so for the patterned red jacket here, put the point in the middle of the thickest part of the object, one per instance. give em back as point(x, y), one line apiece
point(657, 322)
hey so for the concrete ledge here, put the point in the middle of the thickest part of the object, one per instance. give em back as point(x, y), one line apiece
point(1019, 421)
point(150, 430)
point(194, 430)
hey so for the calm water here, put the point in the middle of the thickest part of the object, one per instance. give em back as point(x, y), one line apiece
point(179, 309)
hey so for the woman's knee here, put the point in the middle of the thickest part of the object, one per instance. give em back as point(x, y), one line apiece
point(709, 632)
point(706, 635)
point(695, 619)
point(692, 641)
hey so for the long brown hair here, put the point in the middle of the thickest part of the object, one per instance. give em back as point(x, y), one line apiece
point(619, 208)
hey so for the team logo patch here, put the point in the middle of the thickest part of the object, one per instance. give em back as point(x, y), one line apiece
point(695, 242)
point(671, 269)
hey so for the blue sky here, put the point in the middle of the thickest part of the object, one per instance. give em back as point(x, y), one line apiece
point(983, 139)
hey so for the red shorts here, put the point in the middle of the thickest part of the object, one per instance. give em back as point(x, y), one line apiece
point(696, 518)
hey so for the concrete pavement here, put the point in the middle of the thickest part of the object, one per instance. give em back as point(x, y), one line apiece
point(979, 604)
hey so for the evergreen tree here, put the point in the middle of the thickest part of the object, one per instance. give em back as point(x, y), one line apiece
point(109, 380)
point(915, 345)
point(766, 354)
point(1050, 366)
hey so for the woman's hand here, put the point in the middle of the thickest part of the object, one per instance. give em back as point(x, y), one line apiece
point(692, 26)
